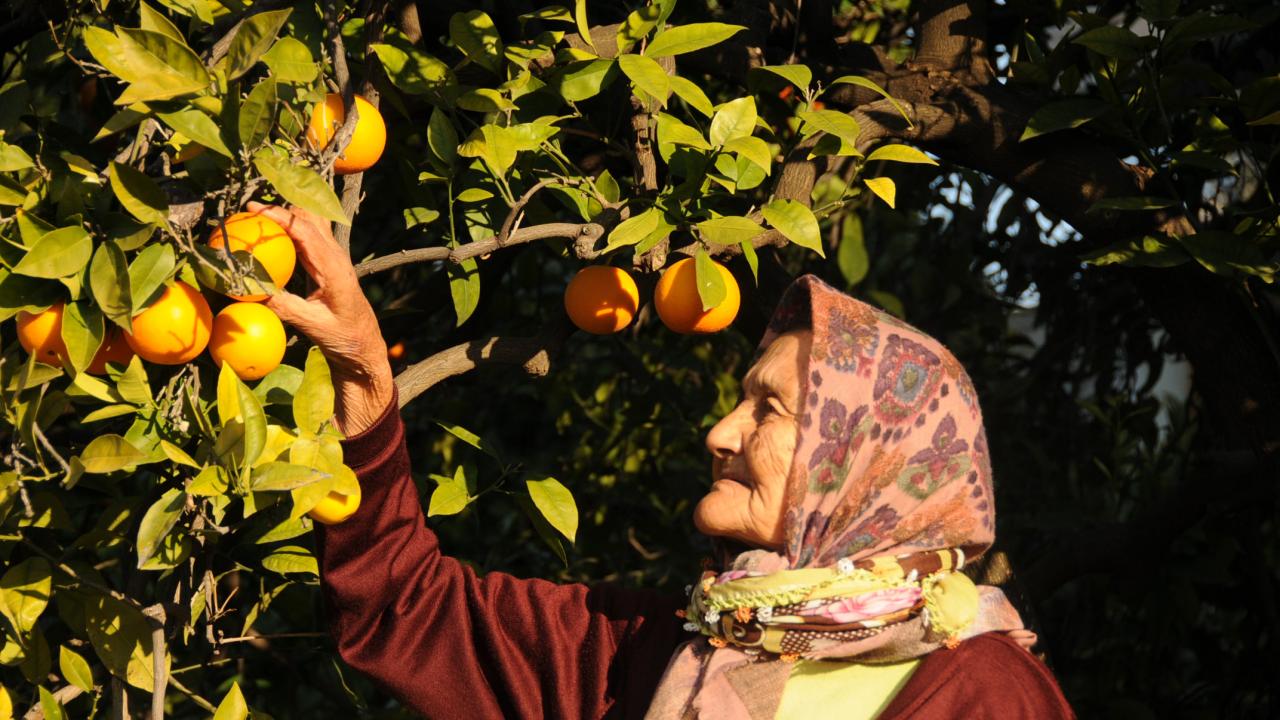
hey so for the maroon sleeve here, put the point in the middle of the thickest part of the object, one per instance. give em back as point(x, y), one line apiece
point(452, 644)
point(988, 677)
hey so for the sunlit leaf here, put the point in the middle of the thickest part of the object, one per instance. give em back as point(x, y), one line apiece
point(689, 38)
point(556, 504)
point(795, 221)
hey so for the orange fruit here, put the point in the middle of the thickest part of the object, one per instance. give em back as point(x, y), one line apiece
point(601, 299)
point(366, 143)
point(680, 307)
point(250, 337)
point(175, 329)
point(263, 238)
point(113, 349)
point(396, 352)
point(41, 334)
point(335, 507)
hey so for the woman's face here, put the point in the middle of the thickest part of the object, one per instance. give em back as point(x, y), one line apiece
point(752, 448)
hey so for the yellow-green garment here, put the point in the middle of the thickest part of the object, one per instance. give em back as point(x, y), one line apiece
point(845, 690)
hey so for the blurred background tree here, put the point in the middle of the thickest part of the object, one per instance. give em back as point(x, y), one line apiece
point(1097, 245)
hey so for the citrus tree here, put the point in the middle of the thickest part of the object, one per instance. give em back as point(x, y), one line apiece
point(169, 446)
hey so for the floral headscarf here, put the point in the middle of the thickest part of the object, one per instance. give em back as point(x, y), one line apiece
point(889, 494)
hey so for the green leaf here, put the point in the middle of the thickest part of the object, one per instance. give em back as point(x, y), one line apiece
point(158, 67)
point(672, 131)
point(636, 26)
point(734, 119)
point(556, 504)
point(1147, 251)
point(299, 185)
point(139, 194)
point(198, 127)
point(1115, 42)
point(485, 100)
point(883, 187)
point(1132, 204)
point(313, 401)
point(257, 114)
point(111, 285)
point(796, 222)
point(74, 667)
point(647, 75)
point(851, 256)
point(475, 35)
point(633, 229)
point(464, 288)
point(148, 273)
point(799, 75)
point(122, 120)
point(582, 80)
point(580, 20)
point(283, 476)
point(155, 21)
point(57, 254)
point(24, 592)
point(13, 158)
point(255, 422)
point(133, 385)
point(729, 230)
point(1230, 255)
point(158, 521)
point(412, 70)
point(109, 453)
point(902, 154)
point(1063, 115)
point(441, 137)
point(753, 261)
point(753, 149)
point(290, 61)
point(711, 287)
point(872, 86)
point(291, 559)
point(211, 481)
point(471, 439)
point(833, 123)
point(233, 705)
point(452, 494)
point(692, 94)
point(177, 455)
point(122, 638)
point(49, 705)
point(688, 38)
point(82, 332)
point(255, 34)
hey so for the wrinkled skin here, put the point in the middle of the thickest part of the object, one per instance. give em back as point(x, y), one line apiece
point(752, 448)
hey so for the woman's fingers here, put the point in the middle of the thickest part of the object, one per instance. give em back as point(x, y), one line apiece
point(308, 317)
point(320, 255)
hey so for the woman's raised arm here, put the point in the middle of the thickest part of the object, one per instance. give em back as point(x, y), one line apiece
point(448, 642)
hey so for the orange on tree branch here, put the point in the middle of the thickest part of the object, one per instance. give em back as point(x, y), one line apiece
point(584, 234)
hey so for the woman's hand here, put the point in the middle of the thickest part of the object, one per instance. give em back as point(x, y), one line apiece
point(337, 317)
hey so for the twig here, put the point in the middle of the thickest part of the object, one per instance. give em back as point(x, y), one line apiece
point(35, 430)
point(62, 695)
point(517, 208)
point(585, 234)
point(159, 648)
point(204, 704)
point(250, 638)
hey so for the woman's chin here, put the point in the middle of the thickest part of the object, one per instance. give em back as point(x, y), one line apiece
point(719, 512)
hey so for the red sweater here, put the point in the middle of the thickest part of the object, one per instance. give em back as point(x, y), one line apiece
point(452, 644)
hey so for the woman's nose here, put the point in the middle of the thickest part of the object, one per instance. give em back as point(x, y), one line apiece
point(725, 439)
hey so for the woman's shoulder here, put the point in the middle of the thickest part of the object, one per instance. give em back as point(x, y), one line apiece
point(985, 676)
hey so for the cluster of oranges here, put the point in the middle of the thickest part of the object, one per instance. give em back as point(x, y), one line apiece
point(179, 325)
point(602, 299)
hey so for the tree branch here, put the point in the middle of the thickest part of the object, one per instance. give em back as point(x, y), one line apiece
point(587, 233)
point(532, 354)
point(953, 35)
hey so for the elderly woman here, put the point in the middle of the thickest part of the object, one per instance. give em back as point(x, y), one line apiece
point(851, 485)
